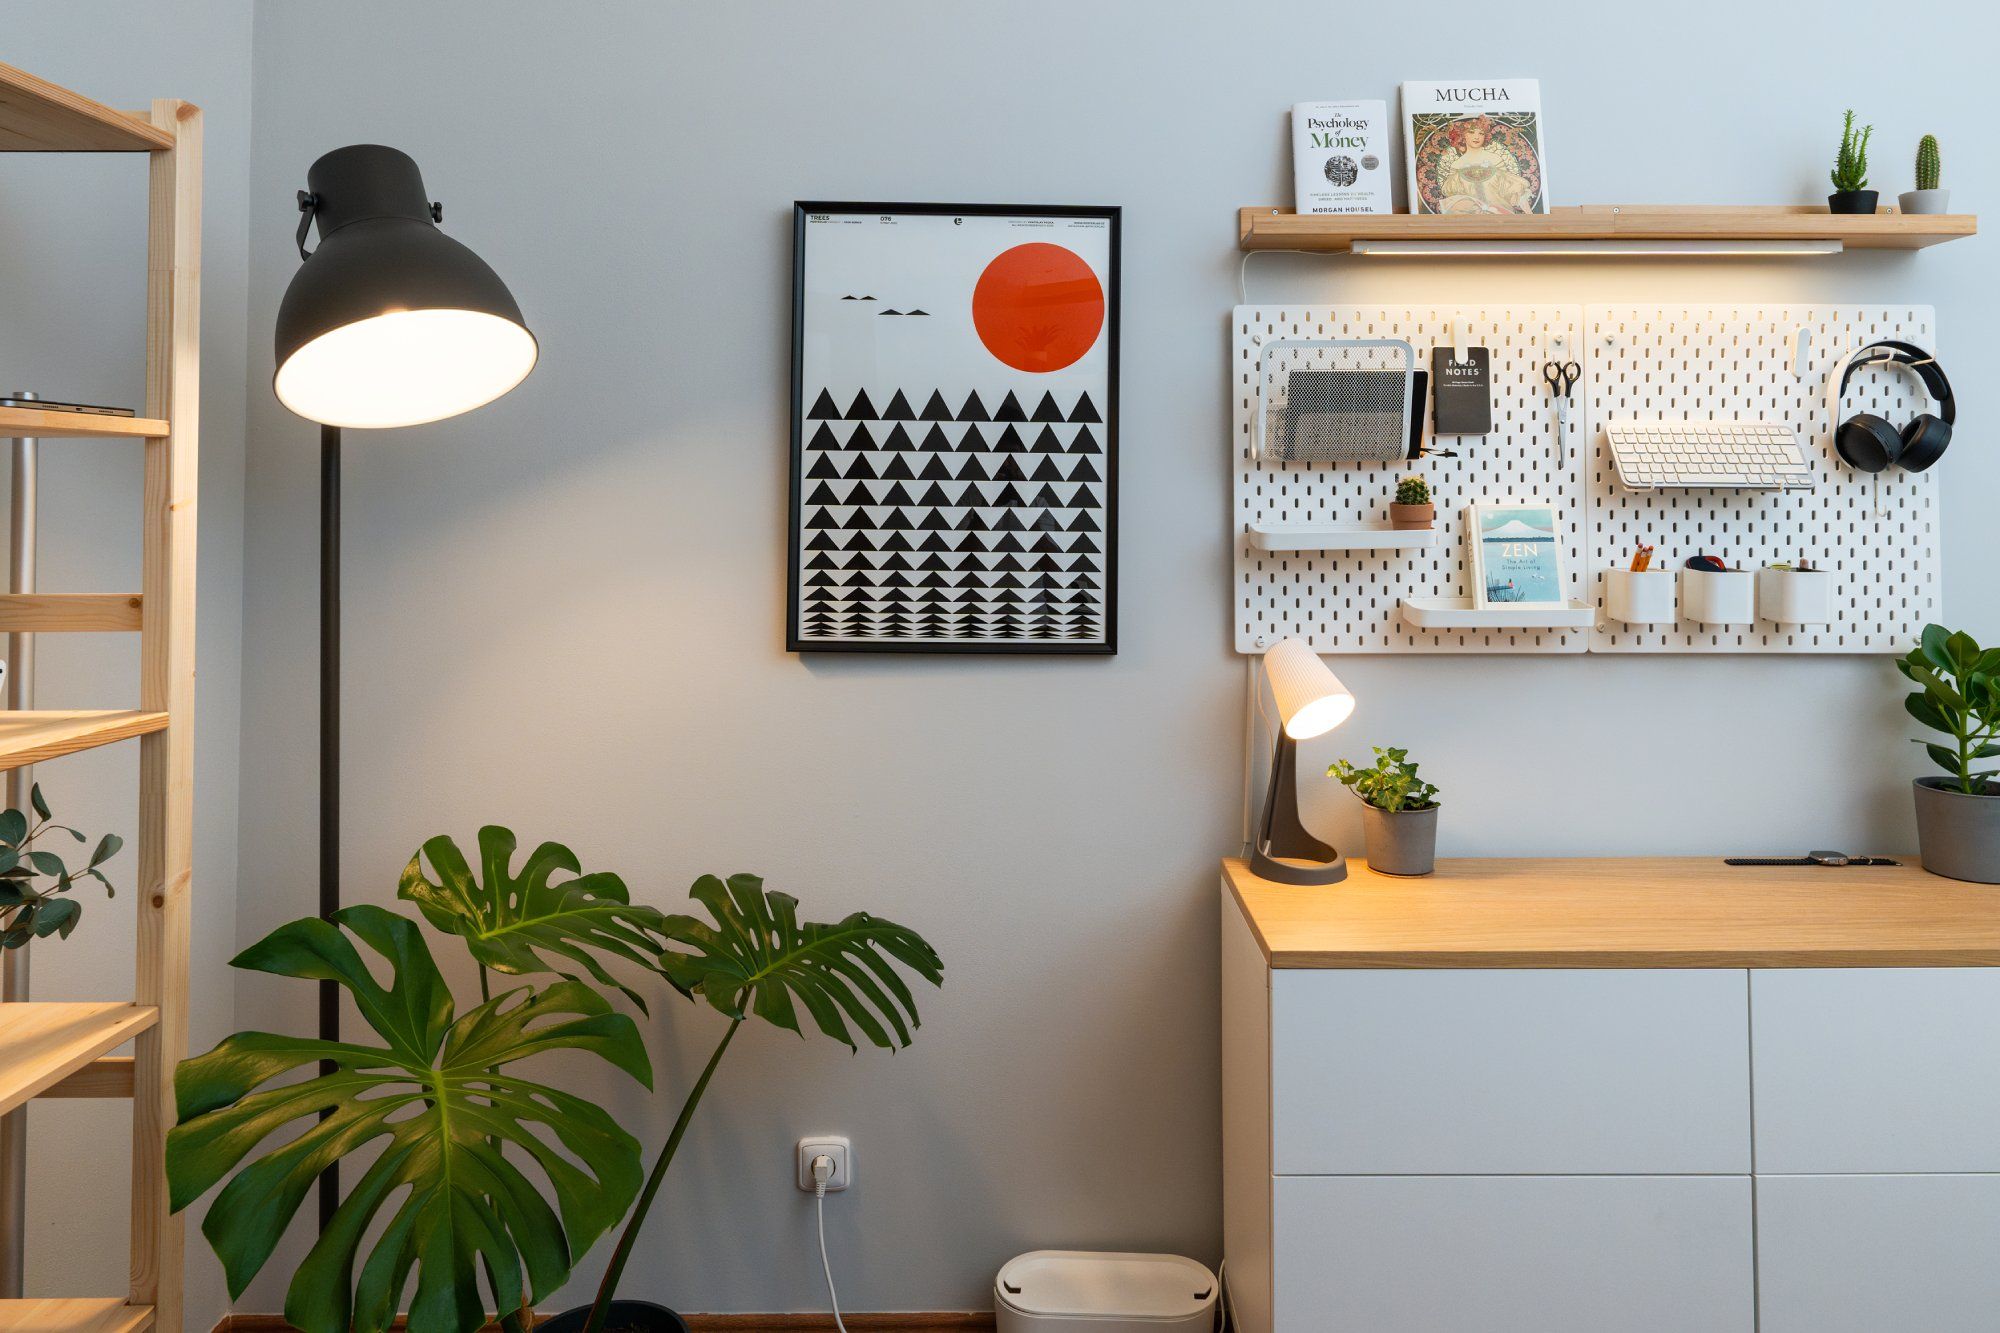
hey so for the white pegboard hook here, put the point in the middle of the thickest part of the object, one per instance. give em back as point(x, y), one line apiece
point(1461, 340)
point(1802, 351)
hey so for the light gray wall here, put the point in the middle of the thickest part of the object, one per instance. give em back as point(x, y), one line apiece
point(72, 324)
point(564, 612)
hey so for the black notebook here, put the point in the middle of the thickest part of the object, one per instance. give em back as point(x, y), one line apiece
point(1463, 392)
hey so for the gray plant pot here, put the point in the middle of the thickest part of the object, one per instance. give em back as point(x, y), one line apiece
point(1958, 836)
point(1925, 201)
point(1403, 843)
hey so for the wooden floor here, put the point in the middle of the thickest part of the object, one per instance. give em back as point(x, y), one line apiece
point(938, 1322)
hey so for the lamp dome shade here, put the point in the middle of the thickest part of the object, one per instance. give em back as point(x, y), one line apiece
point(390, 322)
point(1311, 700)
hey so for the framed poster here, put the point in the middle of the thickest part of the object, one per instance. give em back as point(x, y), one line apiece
point(1517, 555)
point(954, 429)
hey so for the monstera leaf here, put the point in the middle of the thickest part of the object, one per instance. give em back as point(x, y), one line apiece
point(758, 957)
point(446, 1194)
point(518, 923)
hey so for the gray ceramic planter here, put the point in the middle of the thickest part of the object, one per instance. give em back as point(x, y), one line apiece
point(1958, 835)
point(1403, 843)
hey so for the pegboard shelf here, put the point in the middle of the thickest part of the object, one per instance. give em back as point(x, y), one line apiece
point(1460, 613)
point(1757, 228)
point(1359, 537)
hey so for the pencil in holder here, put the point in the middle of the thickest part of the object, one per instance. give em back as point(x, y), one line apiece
point(1639, 596)
point(1795, 596)
point(1724, 597)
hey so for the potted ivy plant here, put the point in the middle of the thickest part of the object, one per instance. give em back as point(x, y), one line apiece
point(1958, 694)
point(1412, 509)
point(1850, 171)
point(1927, 197)
point(1398, 812)
point(35, 880)
point(753, 958)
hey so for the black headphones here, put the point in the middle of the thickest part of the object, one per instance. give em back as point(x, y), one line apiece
point(1868, 443)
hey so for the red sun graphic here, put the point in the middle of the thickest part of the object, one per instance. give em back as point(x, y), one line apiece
point(1038, 307)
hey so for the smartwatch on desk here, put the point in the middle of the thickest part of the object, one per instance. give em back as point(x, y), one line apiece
point(1809, 859)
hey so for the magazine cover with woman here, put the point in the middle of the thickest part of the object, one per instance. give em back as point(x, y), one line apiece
point(1475, 146)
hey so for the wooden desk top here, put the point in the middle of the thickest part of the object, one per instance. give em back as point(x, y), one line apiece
point(1624, 912)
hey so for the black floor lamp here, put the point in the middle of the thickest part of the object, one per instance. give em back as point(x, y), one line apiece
point(388, 323)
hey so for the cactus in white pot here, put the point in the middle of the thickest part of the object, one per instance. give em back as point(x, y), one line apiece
point(1927, 197)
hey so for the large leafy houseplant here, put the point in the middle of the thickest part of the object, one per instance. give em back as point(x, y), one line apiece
point(445, 1197)
point(753, 958)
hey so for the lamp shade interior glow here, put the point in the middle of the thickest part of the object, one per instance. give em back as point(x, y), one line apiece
point(1311, 700)
point(405, 367)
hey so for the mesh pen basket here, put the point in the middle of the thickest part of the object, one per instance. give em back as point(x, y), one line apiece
point(1334, 400)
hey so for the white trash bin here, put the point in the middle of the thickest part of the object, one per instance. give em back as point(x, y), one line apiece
point(1080, 1291)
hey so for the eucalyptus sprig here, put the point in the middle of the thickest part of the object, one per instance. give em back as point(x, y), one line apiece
point(34, 879)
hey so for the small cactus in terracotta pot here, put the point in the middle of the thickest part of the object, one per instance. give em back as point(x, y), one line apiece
point(1412, 508)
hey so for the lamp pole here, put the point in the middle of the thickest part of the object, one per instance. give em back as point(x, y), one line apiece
point(329, 756)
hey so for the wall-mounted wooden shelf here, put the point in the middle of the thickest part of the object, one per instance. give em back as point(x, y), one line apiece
point(36, 116)
point(16, 422)
point(41, 1043)
point(1339, 233)
point(65, 1314)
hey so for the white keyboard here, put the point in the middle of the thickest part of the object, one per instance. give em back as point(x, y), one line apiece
point(1763, 454)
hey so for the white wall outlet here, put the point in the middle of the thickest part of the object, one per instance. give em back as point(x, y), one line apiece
point(827, 1145)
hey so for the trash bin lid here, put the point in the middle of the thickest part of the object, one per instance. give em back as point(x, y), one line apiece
point(1130, 1286)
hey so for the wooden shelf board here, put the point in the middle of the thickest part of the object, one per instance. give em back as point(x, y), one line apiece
point(37, 116)
point(16, 422)
point(1336, 233)
point(43, 1042)
point(53, 1314)
point(31, 737)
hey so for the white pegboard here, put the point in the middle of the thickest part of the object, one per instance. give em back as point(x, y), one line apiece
point(1877, 536)
point(1347, 602)
point(1688, 360)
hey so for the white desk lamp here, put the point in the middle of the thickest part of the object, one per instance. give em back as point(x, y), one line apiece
point(1311, 702)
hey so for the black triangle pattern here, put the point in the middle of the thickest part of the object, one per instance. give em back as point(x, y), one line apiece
point(1000, 549)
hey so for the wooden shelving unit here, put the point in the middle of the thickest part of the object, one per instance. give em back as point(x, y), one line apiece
point(1338, 233)
point(62, 1050)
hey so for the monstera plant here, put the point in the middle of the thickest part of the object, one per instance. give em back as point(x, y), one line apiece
point(754, 958)
point(453, 1122)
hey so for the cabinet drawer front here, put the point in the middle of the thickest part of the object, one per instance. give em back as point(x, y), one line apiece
point(1520, 1254)
point(1509, 1071)
point(1859, 1254)
point(1877, 1070)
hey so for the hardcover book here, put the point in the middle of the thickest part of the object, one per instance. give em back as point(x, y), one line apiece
point(1475, 146)
point(1340, 157)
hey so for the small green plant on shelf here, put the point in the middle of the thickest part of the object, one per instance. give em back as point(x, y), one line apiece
point(1850, 167)
point(1413, 490)
point(1929, 168)
point(34, 879)
point(1390, 783)
point(1958, 693)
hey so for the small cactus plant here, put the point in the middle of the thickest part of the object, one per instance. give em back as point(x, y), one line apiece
point(1413, 490)
point(1928, 165)
point(1850, 167)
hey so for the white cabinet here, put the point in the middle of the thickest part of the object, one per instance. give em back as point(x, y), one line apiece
point(1877, 1069)
point(1503, 1071)
point(1514, 1254)
point(1861, 1254)
point(1425, 1150)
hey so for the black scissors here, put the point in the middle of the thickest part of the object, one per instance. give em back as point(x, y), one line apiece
point(1562, 377)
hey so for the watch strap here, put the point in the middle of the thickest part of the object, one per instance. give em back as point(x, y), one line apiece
point(1804, 861)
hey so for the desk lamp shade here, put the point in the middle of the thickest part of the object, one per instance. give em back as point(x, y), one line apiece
point(390, 322)
point(1311, 702)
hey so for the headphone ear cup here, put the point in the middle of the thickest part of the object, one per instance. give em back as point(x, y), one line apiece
point(1868, 443)
point(1924, 441)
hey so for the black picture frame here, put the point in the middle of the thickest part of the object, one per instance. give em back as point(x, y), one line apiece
point(1107, 644)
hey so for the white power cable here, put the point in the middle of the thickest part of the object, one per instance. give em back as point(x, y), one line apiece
point(822, 1171)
